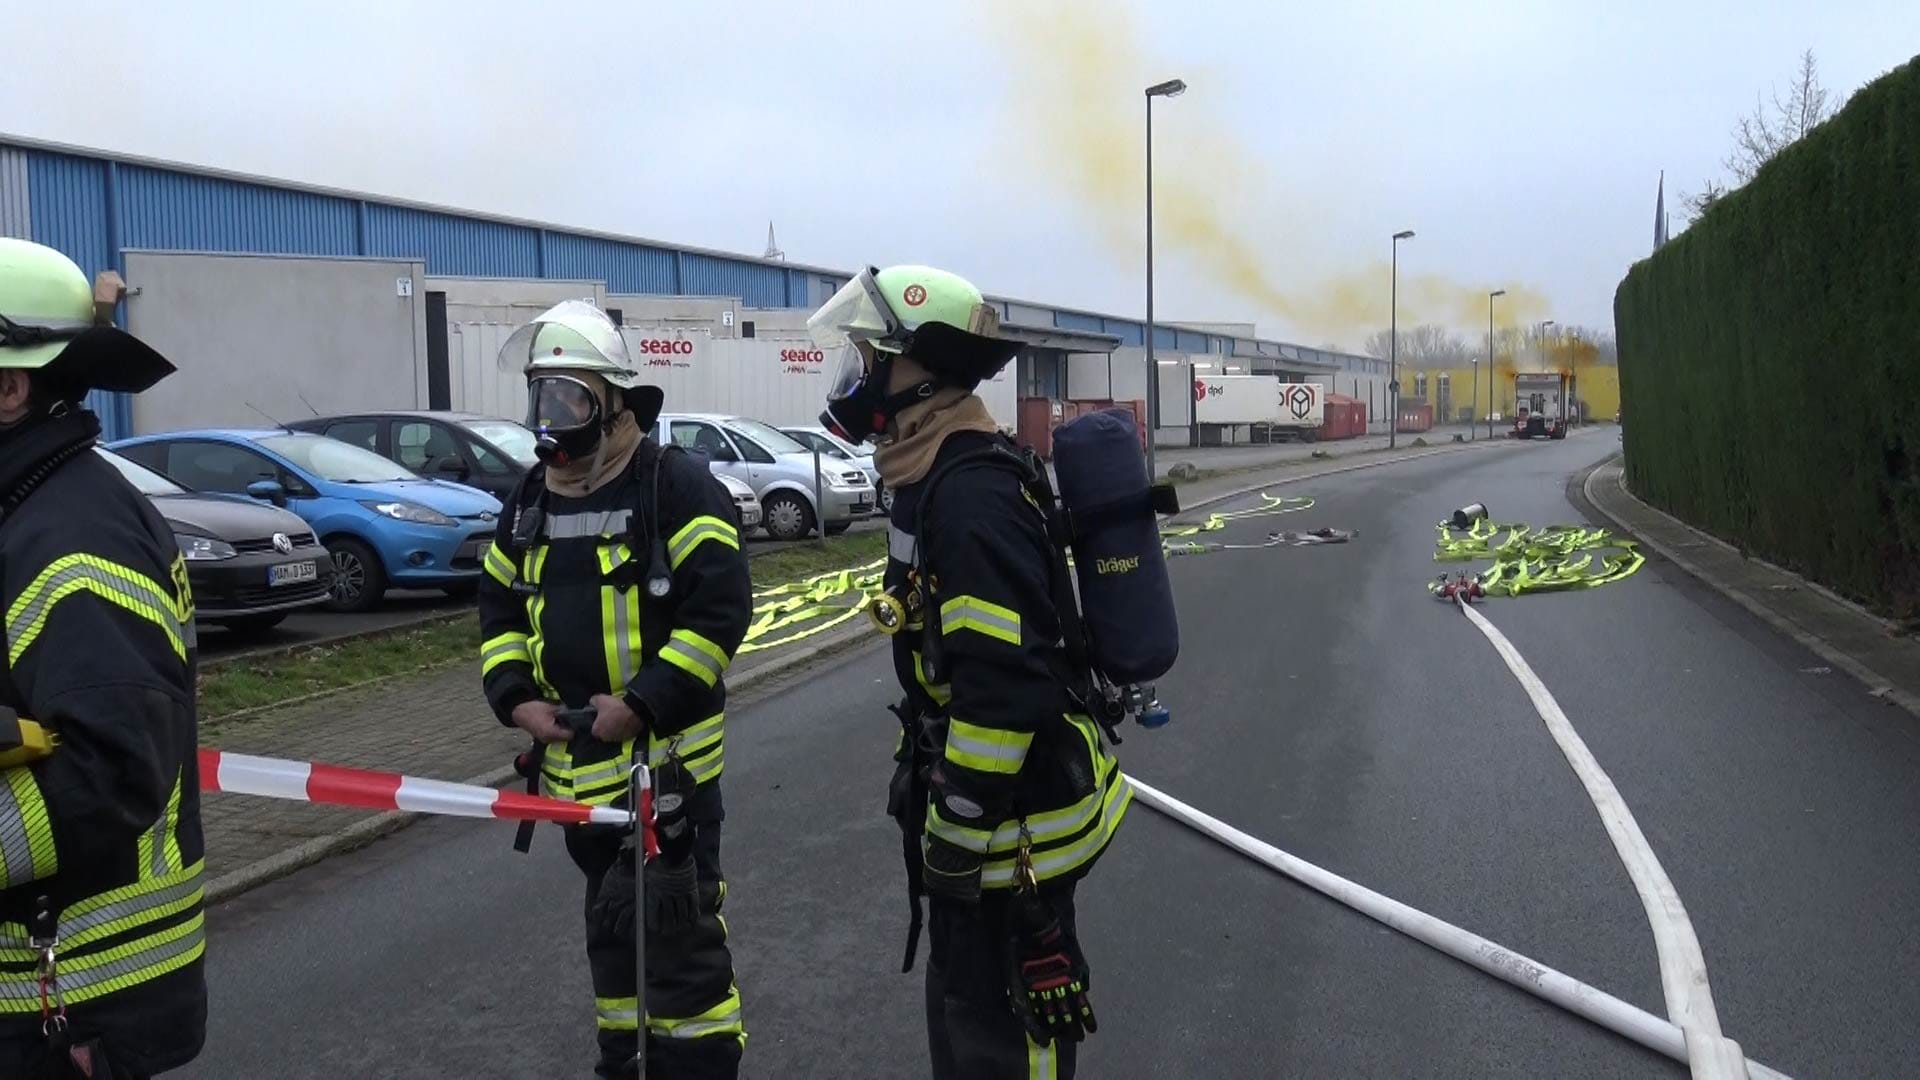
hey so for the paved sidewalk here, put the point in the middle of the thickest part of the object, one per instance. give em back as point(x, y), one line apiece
point(1848, 636)
point(435, 724)
point(1256, 455)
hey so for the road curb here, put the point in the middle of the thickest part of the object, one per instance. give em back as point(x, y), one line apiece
point(1879, 684)
point(841, 639)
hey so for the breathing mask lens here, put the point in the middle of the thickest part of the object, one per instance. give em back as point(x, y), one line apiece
point(564, 414)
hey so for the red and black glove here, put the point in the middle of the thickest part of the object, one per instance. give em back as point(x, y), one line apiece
point(1049, 976)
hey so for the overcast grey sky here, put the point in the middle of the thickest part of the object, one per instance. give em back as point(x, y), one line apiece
point(1002, 140)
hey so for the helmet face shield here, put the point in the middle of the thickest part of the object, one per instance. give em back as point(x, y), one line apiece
point(564, 414)
point(858, 312)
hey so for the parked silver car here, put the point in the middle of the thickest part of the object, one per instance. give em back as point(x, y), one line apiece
point(778, 469)
point(746, 505)
point(859, 456)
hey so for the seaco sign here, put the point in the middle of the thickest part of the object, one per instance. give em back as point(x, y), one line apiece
point(801, 361)
point(664, 352)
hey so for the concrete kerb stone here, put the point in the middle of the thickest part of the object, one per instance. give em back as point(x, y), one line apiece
point(1826, 650)
point(841, 639)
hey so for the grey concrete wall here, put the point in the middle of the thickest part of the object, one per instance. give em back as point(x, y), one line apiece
point(264, 331)
point(709, 313)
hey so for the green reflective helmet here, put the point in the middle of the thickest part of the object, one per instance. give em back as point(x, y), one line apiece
point(47, 324)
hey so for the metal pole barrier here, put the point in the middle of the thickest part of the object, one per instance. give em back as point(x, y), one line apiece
point(639, 791)
point(819, 500)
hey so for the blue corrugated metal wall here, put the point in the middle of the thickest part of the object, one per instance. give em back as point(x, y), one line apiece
point(626, 268)
point(1189, 342)
point(182, 212)
point(69, 200)
point(451, 244)
point(1073, 320)
point(1129, 333)
point(706, 275)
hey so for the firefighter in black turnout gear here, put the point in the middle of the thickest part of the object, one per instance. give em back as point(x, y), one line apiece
point(1004, 789)
point(101, 928)
point(616, 582)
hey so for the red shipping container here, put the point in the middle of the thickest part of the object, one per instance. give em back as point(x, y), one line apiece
point(1415, 418)
point(1345, 417)
point(1034, 429)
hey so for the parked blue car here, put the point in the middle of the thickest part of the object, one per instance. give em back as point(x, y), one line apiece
point(383, 526)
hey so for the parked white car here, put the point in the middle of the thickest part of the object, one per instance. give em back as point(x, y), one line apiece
point(859, 456)
point(746, 505)
point(778, 469)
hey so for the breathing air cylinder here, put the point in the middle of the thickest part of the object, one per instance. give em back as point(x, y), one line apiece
point(1126, 598)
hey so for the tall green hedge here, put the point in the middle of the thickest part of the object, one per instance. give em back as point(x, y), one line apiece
point(1770, 357)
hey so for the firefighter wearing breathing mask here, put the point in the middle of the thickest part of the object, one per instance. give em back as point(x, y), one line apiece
point(616, 583)
point(1004, 792)
point(102, 932)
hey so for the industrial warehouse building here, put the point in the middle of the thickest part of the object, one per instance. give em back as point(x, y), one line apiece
point(279, 300)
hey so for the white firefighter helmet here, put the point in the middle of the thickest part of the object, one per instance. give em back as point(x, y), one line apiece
point(572, 335)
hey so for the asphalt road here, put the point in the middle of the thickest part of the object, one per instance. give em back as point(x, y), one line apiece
point(1322, 702)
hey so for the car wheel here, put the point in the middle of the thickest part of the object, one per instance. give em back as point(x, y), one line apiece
point(359, 581)
point(883, 498)
point(788, 517)
point(254, 624)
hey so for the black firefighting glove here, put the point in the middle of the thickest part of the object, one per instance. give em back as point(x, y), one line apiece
point(1049, 978)
point(613, 906)
point(673, 884)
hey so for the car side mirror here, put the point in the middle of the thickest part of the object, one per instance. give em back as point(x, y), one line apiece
point(268, 491)
point(452, 466)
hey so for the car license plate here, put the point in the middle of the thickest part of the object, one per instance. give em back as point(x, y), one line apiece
point(293, 573)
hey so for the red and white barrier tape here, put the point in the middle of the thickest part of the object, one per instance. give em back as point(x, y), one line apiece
point(303, 781)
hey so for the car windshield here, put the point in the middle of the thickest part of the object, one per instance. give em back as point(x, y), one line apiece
point(331, 459)
point(141, 477)
point(512, 439)
point(775, 440)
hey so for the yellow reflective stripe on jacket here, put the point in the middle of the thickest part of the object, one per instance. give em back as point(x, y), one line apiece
point(98, 974)
point(507, 648)
point(26, 832)
point(722, 1019)
point(963, 836)
point(616, 1013)
point(116, 584)
point(701, 747)
point(110, 914)
point(86, 975)
point(620, 633)
point(1066, 858)
point(696, 532)
point(1043, 1062)
point(986, 749)
point(980, 616)
point(159, 847)
point(941, 693)
point(533, 567)
point(499, 566)
point(696, 656)
point(614, 556)
point(595, 783)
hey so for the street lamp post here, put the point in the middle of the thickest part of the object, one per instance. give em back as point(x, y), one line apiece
point(1490, 296)
point(1473, 431)
point(1544, 361)
point(1393, 346)
point(1170, 88)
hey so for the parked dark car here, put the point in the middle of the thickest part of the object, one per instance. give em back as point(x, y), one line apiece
point(249, 565)
point(479, 451)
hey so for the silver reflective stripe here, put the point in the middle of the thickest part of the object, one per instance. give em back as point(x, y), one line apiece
point(957, 616)
point(16, 855)
point(510, 647)
point(143, 594)
point(26, 987)
point(625, 1019)
point(1062, 859)
point(681, 648)
point(696, 1029)
point(599, 773)
point(700, 532)
point(899, 544)
point(623, 638)
point(597, 523)
point(112, 913)
point(1015, 752)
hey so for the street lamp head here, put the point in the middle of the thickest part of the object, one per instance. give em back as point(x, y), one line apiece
point(1496, 292)
point(1170, 88)
point(1403, 234)
point(1544, 323)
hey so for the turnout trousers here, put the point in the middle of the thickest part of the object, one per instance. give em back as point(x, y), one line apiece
point(694, 1028)
point(972, 1030)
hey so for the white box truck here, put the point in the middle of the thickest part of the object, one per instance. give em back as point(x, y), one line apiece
point(1540, 405)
